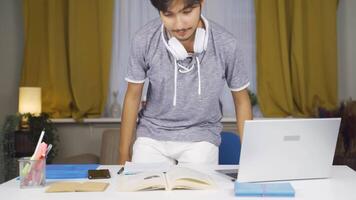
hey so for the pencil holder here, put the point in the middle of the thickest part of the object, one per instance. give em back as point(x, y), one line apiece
point(32, 172)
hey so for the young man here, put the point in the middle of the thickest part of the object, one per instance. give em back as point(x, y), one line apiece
point(187, 60)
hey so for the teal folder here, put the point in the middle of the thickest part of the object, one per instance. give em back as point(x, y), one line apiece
point(266, 189)
point(68, 171)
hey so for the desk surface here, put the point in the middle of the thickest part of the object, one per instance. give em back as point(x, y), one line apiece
point(341, 186)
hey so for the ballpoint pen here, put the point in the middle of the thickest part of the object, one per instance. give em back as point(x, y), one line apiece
point(48, 149)
point(120, 170)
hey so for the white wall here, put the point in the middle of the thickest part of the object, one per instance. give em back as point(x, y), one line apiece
point(11, 50)
point(347, 49)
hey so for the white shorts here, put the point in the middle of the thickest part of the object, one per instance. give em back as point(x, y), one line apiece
point(147, 150)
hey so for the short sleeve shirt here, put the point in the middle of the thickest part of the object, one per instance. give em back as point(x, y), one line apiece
point(195, 117)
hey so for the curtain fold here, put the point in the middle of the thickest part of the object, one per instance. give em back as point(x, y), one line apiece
point(68, 53)
point(296, 56)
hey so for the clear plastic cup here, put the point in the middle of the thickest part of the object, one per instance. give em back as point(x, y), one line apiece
point(32, 172)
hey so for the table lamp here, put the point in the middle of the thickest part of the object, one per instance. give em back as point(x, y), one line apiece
point(29, 102)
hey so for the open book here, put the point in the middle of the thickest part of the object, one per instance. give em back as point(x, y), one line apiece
point(175, 178)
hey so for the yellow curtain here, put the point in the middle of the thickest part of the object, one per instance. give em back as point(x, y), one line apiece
point(68, 53)
point(296, 56)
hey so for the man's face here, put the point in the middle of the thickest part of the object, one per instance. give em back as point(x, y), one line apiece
point(180, 21)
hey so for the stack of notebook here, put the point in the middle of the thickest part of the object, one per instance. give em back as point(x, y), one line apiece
point(266, 189)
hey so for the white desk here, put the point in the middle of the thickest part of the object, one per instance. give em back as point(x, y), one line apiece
point(341, 186)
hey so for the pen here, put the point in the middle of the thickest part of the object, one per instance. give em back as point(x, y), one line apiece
point(48, 149)
point(121, 170)
point(33, 157)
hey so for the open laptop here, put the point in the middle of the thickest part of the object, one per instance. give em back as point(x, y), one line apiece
point(287, 149)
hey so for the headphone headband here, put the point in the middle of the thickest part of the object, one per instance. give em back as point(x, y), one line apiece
point(200, 42)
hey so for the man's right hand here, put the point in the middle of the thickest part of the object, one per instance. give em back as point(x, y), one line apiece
point(123, 158)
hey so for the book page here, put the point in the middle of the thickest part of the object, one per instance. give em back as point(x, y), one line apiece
point(134, 168)
point(141, 181)
point(185, 178)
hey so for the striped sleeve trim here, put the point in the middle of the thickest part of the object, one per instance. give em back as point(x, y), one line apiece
point(134, 81)
point(240, 88)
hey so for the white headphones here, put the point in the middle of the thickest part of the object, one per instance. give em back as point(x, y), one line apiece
point(200, 42)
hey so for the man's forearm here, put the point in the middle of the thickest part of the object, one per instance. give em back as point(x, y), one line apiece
point(243, 113)
point(128, 125)
point(242, 109)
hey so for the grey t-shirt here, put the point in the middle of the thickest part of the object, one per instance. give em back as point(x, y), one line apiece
point(195, 117)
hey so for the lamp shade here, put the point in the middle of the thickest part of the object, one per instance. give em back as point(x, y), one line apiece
point(30, 100)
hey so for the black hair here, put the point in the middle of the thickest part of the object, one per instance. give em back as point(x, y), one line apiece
point(163, 5)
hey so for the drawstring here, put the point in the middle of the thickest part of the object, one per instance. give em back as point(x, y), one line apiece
point(184, 70)
point(199, 84)
point(175, 82)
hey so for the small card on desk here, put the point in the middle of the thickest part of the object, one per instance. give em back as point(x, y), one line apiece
point(266, 189)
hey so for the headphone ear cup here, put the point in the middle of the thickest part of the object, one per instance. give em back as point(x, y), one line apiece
point(199, 41)
point(177, 49)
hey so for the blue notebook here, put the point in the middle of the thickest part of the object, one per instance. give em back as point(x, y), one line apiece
point(68, 171)
point(266, 189)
